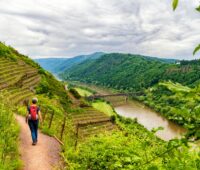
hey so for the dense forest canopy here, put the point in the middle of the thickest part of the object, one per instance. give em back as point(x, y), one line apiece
point(133, 72)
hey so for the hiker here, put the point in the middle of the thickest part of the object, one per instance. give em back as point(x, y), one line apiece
point(32, 118)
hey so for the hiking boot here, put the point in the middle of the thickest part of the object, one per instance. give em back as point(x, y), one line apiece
point(34, 143)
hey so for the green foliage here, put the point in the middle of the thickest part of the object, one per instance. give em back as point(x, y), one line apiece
point(198, 47)
point(198, 8)
point(83, 92)
point(84, 103)
point(7, 52)
point(85, 89)
point(104, 107)
point(9, 130)
point(42, 71)
point(113, 118)
point(175, 4)
point(176, 102)
point(75, 93)
point(22, 110)
point(53, 89)
point(12, 54)
point(132, 148)
point(124, 71)
point(130, 73)
point(43, 87)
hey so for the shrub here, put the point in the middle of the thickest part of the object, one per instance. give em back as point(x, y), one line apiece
point(83, 104)
point(75, 93)
point(113, 118)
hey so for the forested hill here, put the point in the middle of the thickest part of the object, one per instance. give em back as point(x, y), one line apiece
point(57, 65)
point(132, 72)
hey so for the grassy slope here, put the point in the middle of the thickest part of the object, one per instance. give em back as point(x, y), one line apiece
point(103, 107)
point(83, 92)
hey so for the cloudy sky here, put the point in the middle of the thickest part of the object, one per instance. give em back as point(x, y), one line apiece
point(57, 28)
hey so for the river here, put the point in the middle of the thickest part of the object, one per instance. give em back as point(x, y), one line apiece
point(150, 119)
point(145, 116)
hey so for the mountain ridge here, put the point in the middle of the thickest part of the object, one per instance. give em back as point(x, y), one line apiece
point(57, 65)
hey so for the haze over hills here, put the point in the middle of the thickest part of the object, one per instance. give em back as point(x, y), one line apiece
point(57, 65)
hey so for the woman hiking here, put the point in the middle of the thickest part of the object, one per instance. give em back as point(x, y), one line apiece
point(32, 118)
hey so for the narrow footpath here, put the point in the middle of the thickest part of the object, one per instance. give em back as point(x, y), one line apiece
point(43, 156)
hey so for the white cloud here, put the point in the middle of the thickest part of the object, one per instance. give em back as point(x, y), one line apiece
point(69, 28)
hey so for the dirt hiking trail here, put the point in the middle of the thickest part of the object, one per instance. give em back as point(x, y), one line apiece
point(43, 156)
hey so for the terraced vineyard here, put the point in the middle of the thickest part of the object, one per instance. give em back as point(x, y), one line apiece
point(17, 80)
point(91, 122)
point(18, 77)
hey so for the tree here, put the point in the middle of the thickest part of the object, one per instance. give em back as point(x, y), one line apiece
point(174, 6)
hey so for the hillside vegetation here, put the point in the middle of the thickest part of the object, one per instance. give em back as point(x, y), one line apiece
point(176, 102)
point(18, 77)
point(9, 131)
point(20, 80)
point(132, 72)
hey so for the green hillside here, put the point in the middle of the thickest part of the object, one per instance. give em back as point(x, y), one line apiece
point(20, 80)
point(132, 72)
point(128, 72)
point(18, 77)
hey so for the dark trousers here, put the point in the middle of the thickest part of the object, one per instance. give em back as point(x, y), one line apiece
point(33, 125)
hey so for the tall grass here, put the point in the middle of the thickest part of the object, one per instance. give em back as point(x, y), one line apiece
point(9, 131)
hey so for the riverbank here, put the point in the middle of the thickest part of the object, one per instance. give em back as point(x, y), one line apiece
point(130, 147)
point(144, 115)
